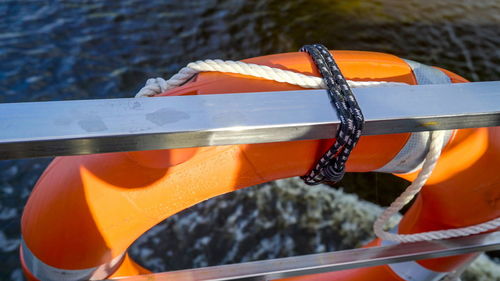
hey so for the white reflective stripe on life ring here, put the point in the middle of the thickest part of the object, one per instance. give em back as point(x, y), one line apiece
point(410, 270)
point(425, 74)
point(410, 158)
point(45, 272)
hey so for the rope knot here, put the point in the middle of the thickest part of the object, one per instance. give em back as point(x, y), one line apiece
point(154, 86)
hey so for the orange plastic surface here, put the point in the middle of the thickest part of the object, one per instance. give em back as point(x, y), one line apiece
point(86, 210)
point(129, 268)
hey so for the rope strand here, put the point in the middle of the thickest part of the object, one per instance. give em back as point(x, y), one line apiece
point(155, 86)
point(331, 166)
point(413, 189)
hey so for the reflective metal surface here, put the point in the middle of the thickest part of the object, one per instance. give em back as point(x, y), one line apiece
point(333, 261)
point(110, 125)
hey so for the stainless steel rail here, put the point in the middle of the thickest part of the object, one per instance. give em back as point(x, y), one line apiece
point(332, 261)
point(110, 125)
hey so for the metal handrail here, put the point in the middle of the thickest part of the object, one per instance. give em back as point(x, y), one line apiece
point(110, 125)
point(332, 261)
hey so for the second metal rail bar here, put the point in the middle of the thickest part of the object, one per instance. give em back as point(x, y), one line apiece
point(332, 261)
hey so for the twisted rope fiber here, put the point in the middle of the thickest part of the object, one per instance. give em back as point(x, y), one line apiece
point(331, 165)
point(437, 138)
point(155, 86)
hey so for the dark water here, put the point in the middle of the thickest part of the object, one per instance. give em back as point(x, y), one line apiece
point(60, 50)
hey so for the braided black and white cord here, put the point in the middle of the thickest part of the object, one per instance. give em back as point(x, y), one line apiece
point(331, 166)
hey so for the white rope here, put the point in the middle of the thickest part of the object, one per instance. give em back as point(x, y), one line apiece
point(159, 85)
point(156, 86)
point(437, 138)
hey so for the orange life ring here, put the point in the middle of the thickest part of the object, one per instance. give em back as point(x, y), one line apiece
point(85, 211)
